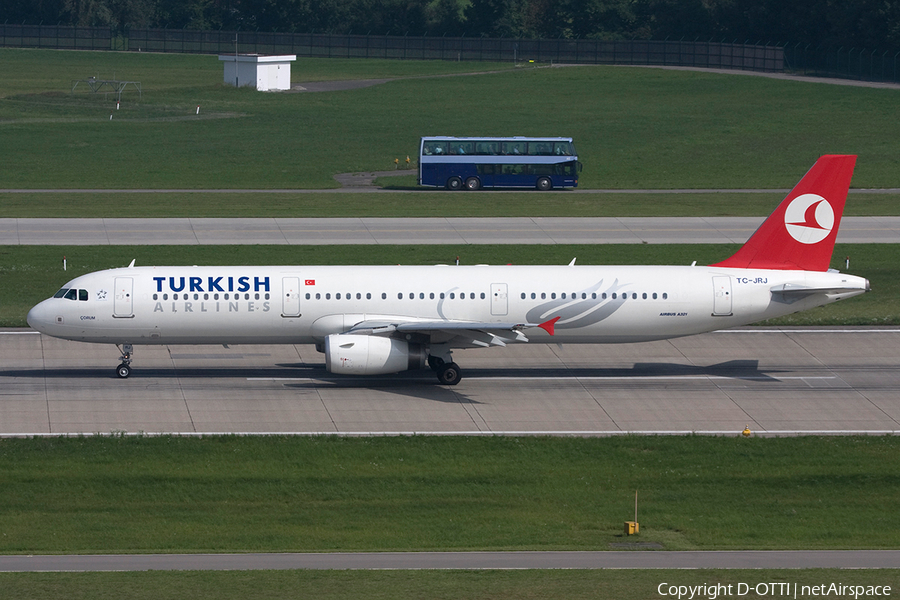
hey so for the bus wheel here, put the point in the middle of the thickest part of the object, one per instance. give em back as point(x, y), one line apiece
point(544, 184)
point(454, 183)
point(473, 184)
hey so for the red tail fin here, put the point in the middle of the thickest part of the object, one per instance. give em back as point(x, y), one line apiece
point(800, 233)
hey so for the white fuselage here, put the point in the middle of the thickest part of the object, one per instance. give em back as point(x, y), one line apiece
point(291, 305)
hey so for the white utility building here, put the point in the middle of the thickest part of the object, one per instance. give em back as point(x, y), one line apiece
point(265, 73)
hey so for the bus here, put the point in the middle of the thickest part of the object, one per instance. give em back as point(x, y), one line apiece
point(474, 163)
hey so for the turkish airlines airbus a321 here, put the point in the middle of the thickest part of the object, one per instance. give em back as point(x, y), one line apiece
point(375, 320)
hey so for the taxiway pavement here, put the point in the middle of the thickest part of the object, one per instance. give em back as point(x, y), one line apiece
point(773, 381)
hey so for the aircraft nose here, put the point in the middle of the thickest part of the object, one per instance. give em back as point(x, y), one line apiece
point(41, 317)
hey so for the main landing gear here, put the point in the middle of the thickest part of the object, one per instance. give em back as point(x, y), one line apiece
point(448, 373)
point(124, 369)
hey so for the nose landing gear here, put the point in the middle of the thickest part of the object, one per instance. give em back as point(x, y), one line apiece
point(124, 369)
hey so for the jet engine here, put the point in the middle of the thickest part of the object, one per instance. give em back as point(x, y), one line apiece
point(352, 354)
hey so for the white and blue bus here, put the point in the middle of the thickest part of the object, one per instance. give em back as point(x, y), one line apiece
point(474, 163)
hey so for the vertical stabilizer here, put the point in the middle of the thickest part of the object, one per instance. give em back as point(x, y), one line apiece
point(800, 234)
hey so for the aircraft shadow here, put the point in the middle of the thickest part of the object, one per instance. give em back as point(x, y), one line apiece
point(735, 369)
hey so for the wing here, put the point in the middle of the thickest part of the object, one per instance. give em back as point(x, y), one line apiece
point(455, 333)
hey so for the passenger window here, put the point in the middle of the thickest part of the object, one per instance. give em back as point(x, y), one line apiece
point(83, 295)
point(562, 149)
point(430, 148)
point(514, 148)
point(462, 148)
point(307, 295)
point(486, 148)
point(383, 296)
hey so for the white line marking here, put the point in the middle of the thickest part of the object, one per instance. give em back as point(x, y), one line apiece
point(351, 379)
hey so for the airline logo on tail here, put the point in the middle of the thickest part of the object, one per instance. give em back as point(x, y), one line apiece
point(809, 218)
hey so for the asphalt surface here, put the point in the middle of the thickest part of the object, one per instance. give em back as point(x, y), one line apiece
point(519, 230)
point(857, 559)
point(773, 381)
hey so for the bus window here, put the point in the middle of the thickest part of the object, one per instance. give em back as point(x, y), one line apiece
point(484, 169)
point(431, 148)
point(462, 148)
point(486, 148)
point(540, 148)
point(562, 149)
point(513, 148)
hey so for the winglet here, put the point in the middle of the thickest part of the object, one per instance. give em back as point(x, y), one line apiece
point(548, 325)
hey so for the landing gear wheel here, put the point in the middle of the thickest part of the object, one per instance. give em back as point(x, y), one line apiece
point(123, 371)
point(449, 374)
point(544, 184)
point(454, 183)
point(473, 184)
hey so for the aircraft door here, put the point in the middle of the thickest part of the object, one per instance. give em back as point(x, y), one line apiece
point(722, 297)
point(123, 298)
point(290, 296)
point(499, 300)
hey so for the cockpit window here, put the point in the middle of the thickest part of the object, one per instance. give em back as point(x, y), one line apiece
point(82, 295)
point(71, 294)
point(61, 293)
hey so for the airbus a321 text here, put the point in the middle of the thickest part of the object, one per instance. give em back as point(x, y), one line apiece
point(375, 320)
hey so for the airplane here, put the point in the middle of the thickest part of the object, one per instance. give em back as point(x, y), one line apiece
point(372, 320)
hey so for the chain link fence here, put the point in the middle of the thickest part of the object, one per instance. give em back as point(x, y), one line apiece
point(818, 61)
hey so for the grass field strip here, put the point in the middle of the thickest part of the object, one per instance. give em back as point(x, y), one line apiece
point(472, 433)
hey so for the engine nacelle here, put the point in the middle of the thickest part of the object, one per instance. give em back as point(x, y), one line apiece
point(351, 354)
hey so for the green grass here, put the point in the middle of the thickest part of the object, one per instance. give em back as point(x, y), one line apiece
point(33, 273)
point(252, 494)
point(635, 128)
point(435, 585)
